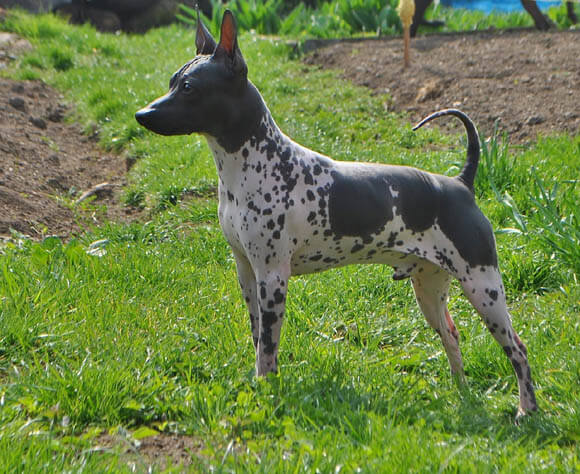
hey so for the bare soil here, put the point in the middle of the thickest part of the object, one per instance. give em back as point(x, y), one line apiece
point(47, 164)
point(162, 450)
point(527, 80)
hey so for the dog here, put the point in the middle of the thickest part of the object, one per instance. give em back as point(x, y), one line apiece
point(286, 210)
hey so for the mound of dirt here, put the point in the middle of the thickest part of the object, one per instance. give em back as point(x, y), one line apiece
point(528, 80)
point(46, 164)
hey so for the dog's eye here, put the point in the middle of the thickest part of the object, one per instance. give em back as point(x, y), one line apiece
point(187, 87)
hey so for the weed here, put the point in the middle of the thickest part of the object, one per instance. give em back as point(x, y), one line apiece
point(61, 60)
point(135, 198)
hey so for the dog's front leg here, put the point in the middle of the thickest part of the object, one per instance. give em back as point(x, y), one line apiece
point(247, 280)
point(272, 286)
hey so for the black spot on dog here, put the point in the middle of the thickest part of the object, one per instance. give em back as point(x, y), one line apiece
point(445, 262)
point(356, 247)
point(280, 220)
point(278, 296)
point(518, 368)
point(269, 318)
point(359, 202)
point(253, 207)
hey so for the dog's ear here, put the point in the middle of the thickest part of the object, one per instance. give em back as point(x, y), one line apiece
point(204, 41)
point(228, 45)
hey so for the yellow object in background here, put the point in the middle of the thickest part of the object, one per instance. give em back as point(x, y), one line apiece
point(406, 10)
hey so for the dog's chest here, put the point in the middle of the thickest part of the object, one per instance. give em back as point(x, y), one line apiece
point(272, 196)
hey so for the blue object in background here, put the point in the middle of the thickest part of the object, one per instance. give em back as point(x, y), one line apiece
point(498, 5)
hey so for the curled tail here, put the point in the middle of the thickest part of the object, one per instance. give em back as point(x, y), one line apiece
point(468, 172)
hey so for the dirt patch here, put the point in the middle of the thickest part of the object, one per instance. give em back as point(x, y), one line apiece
point(528, 80)
point(47, 164)
point(160, 451)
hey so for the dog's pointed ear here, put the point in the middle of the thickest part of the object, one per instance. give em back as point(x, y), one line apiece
point(228, 45)
point(204, 41)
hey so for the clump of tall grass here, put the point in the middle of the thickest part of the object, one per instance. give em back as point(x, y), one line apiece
point(497, 169)
point(552, 221)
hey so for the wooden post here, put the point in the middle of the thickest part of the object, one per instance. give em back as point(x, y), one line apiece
point(406, 10)
point(407, 45)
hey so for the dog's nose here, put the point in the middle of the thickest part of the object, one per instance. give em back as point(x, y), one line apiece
point(142, 116)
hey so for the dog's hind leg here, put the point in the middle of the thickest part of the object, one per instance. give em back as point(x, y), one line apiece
point(431, 285)
point(486, 293)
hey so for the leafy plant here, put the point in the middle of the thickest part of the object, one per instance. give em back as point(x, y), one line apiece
point(329, 19)
point(554, 221)
point(324, 22)
point(370, 15)
point(262, 16)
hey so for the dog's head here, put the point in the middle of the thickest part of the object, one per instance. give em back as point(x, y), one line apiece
point(207, 94)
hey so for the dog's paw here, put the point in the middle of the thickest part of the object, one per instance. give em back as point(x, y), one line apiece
point(524, 414)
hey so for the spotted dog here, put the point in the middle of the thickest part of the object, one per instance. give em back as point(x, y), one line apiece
point(286, 210)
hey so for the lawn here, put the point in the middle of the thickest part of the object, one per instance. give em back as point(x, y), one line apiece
point(100, 351)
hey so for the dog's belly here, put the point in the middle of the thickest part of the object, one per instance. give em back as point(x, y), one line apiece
point(312, 261)
point(403, 249)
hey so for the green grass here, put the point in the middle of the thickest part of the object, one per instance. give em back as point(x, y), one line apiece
point(153, 334)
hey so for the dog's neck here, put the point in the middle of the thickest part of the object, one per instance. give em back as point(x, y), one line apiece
point(253, 133)
point(242, 121)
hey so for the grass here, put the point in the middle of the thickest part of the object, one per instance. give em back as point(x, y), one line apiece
point(149, 334)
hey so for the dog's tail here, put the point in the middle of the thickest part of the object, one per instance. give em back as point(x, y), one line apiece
point(468, 172)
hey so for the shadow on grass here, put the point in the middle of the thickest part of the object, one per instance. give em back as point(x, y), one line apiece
point(337, 401)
